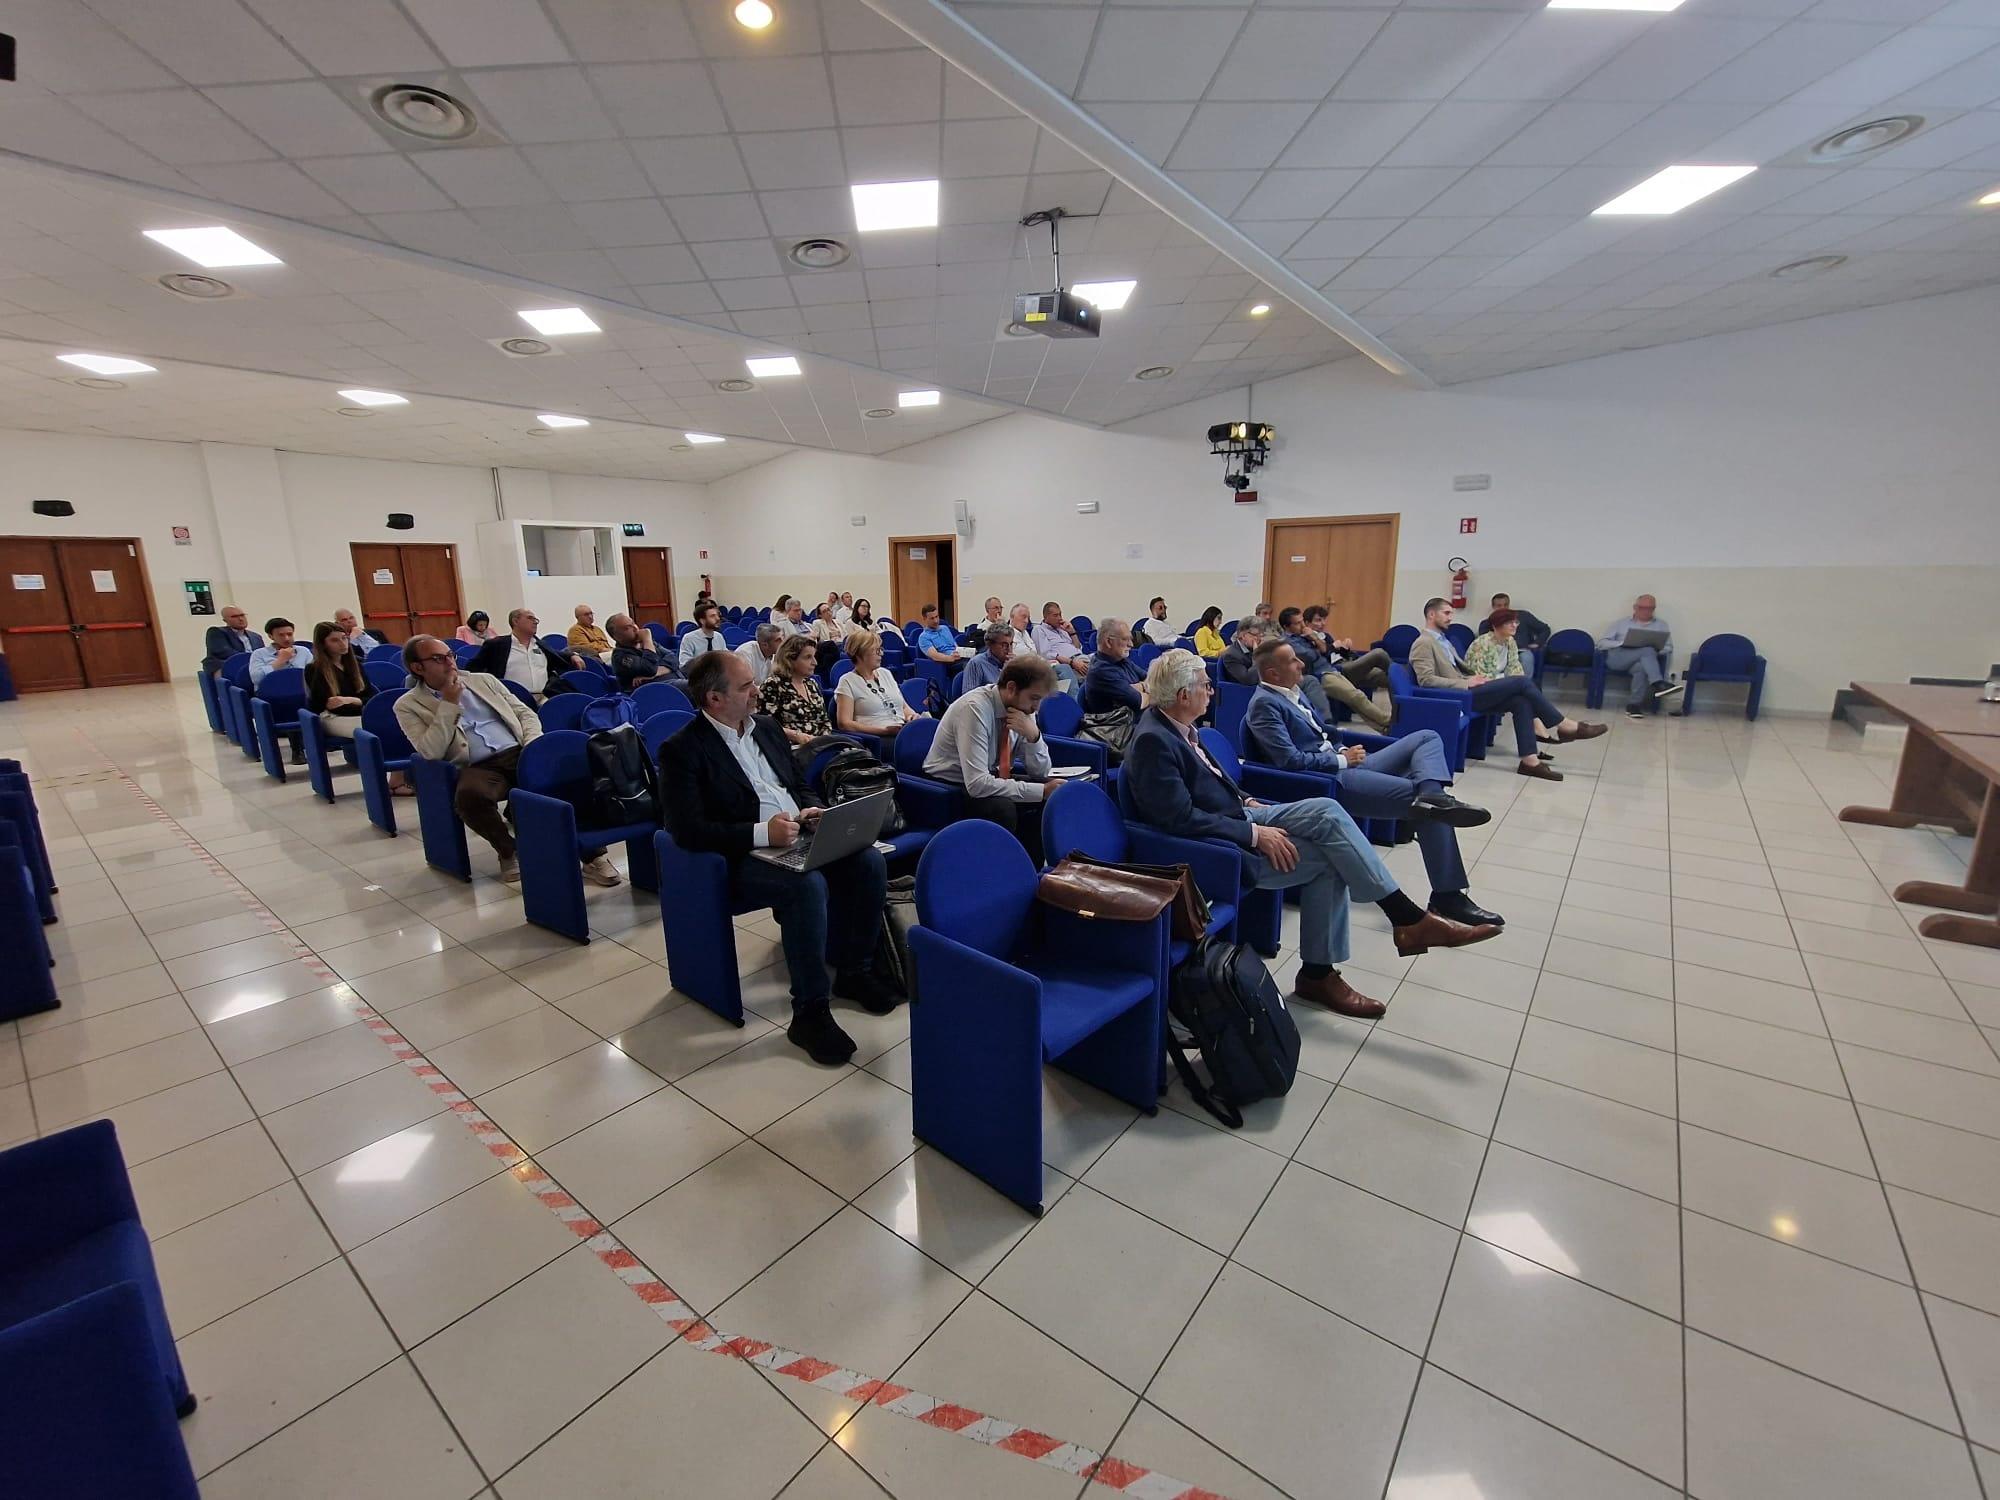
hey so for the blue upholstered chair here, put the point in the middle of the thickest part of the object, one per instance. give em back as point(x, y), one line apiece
point(232, 689)
point(1397, 640)
point(211, 703)
point(590, 684)
point(275, 708)
point(1448, 711)
point(1565, 652)
point(557, 643)
point(1061, 718)
point(70, 1227)
point(385, 675)
point(657, 729)
point(1459, 634)
point(657, 697)
point(734, 636)
point(1725, 658)
point(564, 711)
point(380, 747)
point(1004, 984)
point(17, 806)
point(445, 848)
point(387, 651)
point(316, 745)
point(1231, 707)
point(550, 804)
point(29, 988)
point(462, 651)
point(1081, 818)
point(916, 693)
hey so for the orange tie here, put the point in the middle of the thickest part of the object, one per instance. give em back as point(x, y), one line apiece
point(1004, 766)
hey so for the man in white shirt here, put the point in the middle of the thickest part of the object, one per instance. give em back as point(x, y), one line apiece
point(1156, 626)
point(756, 654)
point(846, 610)
point(706, 635)
point(520, 657)
point(990, 744)
point(359, 641)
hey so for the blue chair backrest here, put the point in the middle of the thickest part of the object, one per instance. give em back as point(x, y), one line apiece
point(662, 637)
point(1402, 682)
point(975, 885)
point(916, 693)
point(1398, 639)
point(1223, 753)
point(519, 692)
point(378, 717)
point(1084, 624)
point(1577, 644)
point(1080, 818)
point(661, 727)
point(597, 668)
point(557, 761)
point(733, 613)
point(384, 675)
point(1459, 634)
point(1060, 714)
point(236, 671)
point(463, 650)
point(556, 643)
point(734, 636)
point(840, 669)
point(682, 627)
point(911, 631)
point(957, 689)
point(1728, 653)
point(284, 689)
point(913, 743)
point(1228, 631)
point(1232, 705)
point(564, 711)
point(606, 712)
point(656, 698)
point(384, 653)
point(588, 683)
point(1144, 656)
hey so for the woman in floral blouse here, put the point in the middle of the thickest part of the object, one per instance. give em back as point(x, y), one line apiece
point(791, 694)
point(1494, 654)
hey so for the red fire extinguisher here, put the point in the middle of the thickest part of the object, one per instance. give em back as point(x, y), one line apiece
point(1461, 578)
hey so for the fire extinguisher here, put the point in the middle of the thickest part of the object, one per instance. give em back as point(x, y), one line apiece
point(1461, 578)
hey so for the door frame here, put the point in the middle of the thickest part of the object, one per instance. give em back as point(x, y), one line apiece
point(1274, 524)
point(628, 545)
point(895, 599)
point(138, 546)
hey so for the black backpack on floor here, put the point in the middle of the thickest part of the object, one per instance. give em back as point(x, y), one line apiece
point(1223, 1002)
point(855, 772)
point(893, 965)
point(624, 785)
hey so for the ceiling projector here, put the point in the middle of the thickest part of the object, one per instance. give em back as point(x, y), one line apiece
point(1057, 315)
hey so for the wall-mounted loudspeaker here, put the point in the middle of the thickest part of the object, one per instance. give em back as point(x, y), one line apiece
point(401, 521)
point(962, 515)
point(54, 508)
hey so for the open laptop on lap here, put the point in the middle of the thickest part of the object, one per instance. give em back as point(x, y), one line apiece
point(845, 828)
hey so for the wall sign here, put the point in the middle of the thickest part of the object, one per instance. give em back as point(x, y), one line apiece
point(383, 575)
point(29, 581)
point(104, 580)
point(201, 601)
point(182, 538)
point(635, 528)
point(919, 554)
point(1467, 525)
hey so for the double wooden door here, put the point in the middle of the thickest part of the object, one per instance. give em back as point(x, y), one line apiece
point(407, 588)
point(1347, 563)
point(649, 586)
point(76, 612)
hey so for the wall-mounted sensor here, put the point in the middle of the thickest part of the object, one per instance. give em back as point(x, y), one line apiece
point(401, 521)
point(1086, 507)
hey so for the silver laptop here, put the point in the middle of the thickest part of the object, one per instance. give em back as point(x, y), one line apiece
point(845, 828)
point(1657, 639)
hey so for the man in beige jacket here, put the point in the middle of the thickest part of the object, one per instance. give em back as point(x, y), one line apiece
point(474, 721)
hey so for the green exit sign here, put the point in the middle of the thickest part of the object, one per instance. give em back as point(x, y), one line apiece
point(635, 528)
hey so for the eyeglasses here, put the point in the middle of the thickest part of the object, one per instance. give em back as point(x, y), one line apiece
point(427, 661)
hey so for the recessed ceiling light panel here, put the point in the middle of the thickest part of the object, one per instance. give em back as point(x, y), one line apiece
point(1672, 189)
point(550, 419)
point(1260, 309)
point(108, 364)
point(190, 284)
point(776, 364)
point(908, 399)
point(376, 398)
point(699, 438)
point(1106, 296)
point(1990, 200)
point(217, 245)
point(1657, 6)
point(895, 205)
point(556, 321)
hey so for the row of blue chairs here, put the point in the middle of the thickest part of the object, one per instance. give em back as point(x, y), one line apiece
point(27, 898)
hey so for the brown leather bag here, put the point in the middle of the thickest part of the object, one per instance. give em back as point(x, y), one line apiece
point(1109, 892)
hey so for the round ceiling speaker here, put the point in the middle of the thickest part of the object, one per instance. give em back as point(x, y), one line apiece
point(819, 254)
point(98, 383)
point(1812, 265)
point(428, 114)
point(1154, 372)
point(880, 412)
point(1859, 140)
point(355, 411)
point(680, 447)
point(188, 284)
point(526, 348)
point(736, 385)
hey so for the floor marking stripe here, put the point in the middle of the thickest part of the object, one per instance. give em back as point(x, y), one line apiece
point(1112, 1474)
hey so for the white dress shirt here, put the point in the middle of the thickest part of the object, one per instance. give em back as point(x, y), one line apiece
point(527, 665)
point(966, 750)
point(772, 798)
point(1159, 632)
point(758, 662)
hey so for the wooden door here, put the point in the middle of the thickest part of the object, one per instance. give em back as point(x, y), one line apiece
point(1347, 563)
point(378, 582)
point(914, 575)
point(34, 617)
point(649, 586)
point(112, 611)
point(407, 588)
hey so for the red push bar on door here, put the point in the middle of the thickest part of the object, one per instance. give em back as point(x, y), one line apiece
point(117, 625)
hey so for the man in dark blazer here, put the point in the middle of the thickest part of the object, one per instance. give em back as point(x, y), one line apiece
point(730, 786)
point(1170, 781)
point(227, 639)
point(517, 655)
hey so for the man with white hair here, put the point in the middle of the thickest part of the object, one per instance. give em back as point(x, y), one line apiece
point(359, 641)
point(1170, 781)
point(757, 653)
point(1649, 665)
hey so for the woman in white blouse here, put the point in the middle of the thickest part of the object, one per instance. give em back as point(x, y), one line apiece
point(869, 700)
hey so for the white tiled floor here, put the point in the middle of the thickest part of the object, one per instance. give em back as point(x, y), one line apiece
point(1689, 1183)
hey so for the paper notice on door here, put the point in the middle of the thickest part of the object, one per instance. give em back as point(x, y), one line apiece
point(918, 554)
point(29, 581)
point(1298, 557)
point(383, 575)
point(104, 580)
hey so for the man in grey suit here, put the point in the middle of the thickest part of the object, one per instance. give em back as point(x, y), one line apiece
point(232, 636)
point(1435, 662)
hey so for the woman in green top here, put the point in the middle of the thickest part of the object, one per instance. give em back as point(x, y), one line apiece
point(791, 694)
point(1494, 654)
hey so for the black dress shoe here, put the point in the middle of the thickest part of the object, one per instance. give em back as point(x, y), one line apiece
point(1460, 907)
point(818, 1035)
point(866, 991)
point(1442, 807)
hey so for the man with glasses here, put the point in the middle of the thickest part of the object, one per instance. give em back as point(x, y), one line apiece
point(521, 658)
point(474, 721)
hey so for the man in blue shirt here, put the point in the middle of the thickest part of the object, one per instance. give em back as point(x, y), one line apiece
point(278, 651)
point(1114, 679)
point(937, 640)
point(984, 669)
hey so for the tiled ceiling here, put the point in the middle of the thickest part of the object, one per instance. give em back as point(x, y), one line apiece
point(1429, 168)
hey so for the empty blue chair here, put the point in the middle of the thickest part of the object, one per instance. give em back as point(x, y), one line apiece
point(1397, 640)
point(210, 703)
point(564, 711)
point(1061, 718)
point(1725, 658)
point(275, 708)
point(388, 651)
point(1005, 984)
point(17, 807)
point(660, 728)
point(445, 848)
point(552, 825)
point(657, 698)
point(380, 747)
point(589, 683)
point(734, 636)
point(1567, 651)
point(557, 643)
point(29, 987)
point(233, 691)
point(385, 675)
point(1459, 634)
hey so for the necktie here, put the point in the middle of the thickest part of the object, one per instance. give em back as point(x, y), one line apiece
point(1003, 766)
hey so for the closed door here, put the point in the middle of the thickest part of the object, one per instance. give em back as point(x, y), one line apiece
point(916, 576)
point(406, 589)
point(76, 612)
point(1298, 564)
point(1347, 563)
point(649, 586)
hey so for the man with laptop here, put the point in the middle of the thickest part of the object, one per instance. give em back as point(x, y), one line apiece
point(1643, 646)
point(731, 788)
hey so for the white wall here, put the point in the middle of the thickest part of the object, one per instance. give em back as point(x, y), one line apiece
point(1823, 486)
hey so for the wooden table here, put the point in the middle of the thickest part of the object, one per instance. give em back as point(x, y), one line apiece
point(1949, 775)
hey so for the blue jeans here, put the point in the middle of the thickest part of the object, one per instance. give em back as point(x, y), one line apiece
point(1335, 859)
point(1646, 665)
point(1387, 782)
point(831, 914)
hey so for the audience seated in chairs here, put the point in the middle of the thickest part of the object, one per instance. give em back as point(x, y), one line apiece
point(278, 651)
point(706, 635)
point(472, 721)
point(756, 653)
point(989, 744)
point(634, 658)
point(869, 700)
point(477, 630)
point(791, 695)
point(1156, 627)
point(521, 658)
point(730, 786)
point(1208, 641)
point(587, 636)
point(1343, 675)
point(1531, 634)
point(1404, 779)
point(1496, 651)
point(863, 618)
point(826, 627)
point(1114, 679)
point(1171, 782)
point(935, 640)
point(1055, 639)
point(231, 637)
point(793, 621)
point(975, 633)
point(997, 644)
point(1435, 663)
point(1651, 679)
point(1239, 663)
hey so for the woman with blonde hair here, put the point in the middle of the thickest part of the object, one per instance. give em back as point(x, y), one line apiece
point(791, 696)
point(869, 700)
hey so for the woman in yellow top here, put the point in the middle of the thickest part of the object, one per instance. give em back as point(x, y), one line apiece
point(1494, 654)
point(1208, 640)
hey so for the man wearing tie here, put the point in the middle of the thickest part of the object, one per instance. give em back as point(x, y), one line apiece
point(989, 744)
point(232, 636)
point(1435, 662)
point(706, 635)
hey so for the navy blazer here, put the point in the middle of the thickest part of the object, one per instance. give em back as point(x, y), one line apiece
point(1165, 784)
point(1289, 736)
point(491, 659)
point(710, 806)
point(220, 647)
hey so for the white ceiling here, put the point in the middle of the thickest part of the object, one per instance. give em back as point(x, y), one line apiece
point(1429, 168)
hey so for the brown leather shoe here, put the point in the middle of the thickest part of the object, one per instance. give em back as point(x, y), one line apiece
point(1582, 732)
point(1540, 771)
point(1435, 931)
point(1337, 995)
